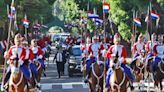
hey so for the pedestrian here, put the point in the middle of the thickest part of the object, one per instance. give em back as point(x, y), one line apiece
point(59, 61)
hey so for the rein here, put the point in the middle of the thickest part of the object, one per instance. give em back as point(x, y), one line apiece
point(97, 77)
point(140, 68)
point(119, 85)
point(39, 66)
point(159, 65)
point(17, 84)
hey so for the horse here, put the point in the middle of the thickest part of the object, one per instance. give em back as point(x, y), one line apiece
point(40, 69)
point(139, 69)
point(118, 79)
point(96, 75)
point(17, 81)
point(159, 76)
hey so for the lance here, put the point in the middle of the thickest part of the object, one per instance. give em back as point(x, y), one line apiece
point(8, 41)
point(25, 26)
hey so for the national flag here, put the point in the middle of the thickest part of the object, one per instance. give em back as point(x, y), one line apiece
point(154, 15)
point(93, 16)
point(99, 21)
point(26, 23)
point(137, 21)
point(13, 10)
point(11, 16)
point(106, 7)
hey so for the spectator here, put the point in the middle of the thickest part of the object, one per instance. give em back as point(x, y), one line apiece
point(59, 62)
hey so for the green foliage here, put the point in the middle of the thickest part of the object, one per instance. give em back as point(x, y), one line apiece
point(66, 10)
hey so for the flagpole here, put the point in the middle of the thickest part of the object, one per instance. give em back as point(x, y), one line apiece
point(25, 27)
point(150, 20)
point(133, 30)
point(104, 42)
point(7, 48)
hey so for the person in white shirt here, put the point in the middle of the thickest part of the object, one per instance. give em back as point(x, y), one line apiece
point(59, 61)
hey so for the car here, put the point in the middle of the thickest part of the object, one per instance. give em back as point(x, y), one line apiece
point(74, 62)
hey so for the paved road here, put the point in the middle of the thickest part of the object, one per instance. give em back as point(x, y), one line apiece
point(52, 83)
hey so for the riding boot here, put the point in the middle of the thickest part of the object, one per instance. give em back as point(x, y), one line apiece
point(87, 75)
point(29, 84)
point(86, 79)
point(131, 86)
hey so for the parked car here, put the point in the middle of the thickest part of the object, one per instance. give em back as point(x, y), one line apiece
point(74, 62)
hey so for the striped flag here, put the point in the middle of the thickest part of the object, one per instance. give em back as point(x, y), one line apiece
point(90, 15)
point(155, 15)
point(26, 22)
point(137, 22)
point(106, 7)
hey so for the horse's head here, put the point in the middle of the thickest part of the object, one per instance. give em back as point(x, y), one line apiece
point(15, 65)
point(115, 64)
point(83, 65)
point(149, 61)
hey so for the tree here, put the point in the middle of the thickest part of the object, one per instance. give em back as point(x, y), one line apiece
point(66, 10)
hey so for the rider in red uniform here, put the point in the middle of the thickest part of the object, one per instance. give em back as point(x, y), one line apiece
point(121, 51)
point(15, 52)
point(158, 53)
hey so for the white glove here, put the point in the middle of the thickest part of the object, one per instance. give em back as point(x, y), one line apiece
point(13, 57)
point(5, 54)
point(21, 62)
point(40, 57)
point(121, 60)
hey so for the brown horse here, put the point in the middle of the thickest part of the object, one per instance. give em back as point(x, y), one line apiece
point(96, 76)
point(17, 81)
point(40, 70)
point(118, 80)
point(159, 76)
point(139, 70)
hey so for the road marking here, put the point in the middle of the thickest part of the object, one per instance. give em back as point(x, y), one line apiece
point(67, 86)
point(50, 71)
point(46, 86)
point(85, 85)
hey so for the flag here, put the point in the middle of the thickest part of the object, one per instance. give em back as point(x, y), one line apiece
point(137, 22)
point(93, 16)
point(13, 10)
point(99, 21)
point(106, 7)
point(154, 15)
point(11, 16)
point(25, 22)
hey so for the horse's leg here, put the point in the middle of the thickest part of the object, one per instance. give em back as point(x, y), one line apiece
point(101, 84)
point(160, 84)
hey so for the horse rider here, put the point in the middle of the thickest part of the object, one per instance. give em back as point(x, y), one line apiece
point(29, 59)
point(38, 53)
point(150, 44)
point(94, 51)
point(83, 49)
point(120, 49)
point(158, 52)
point(14, 52)
point(137, 48)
